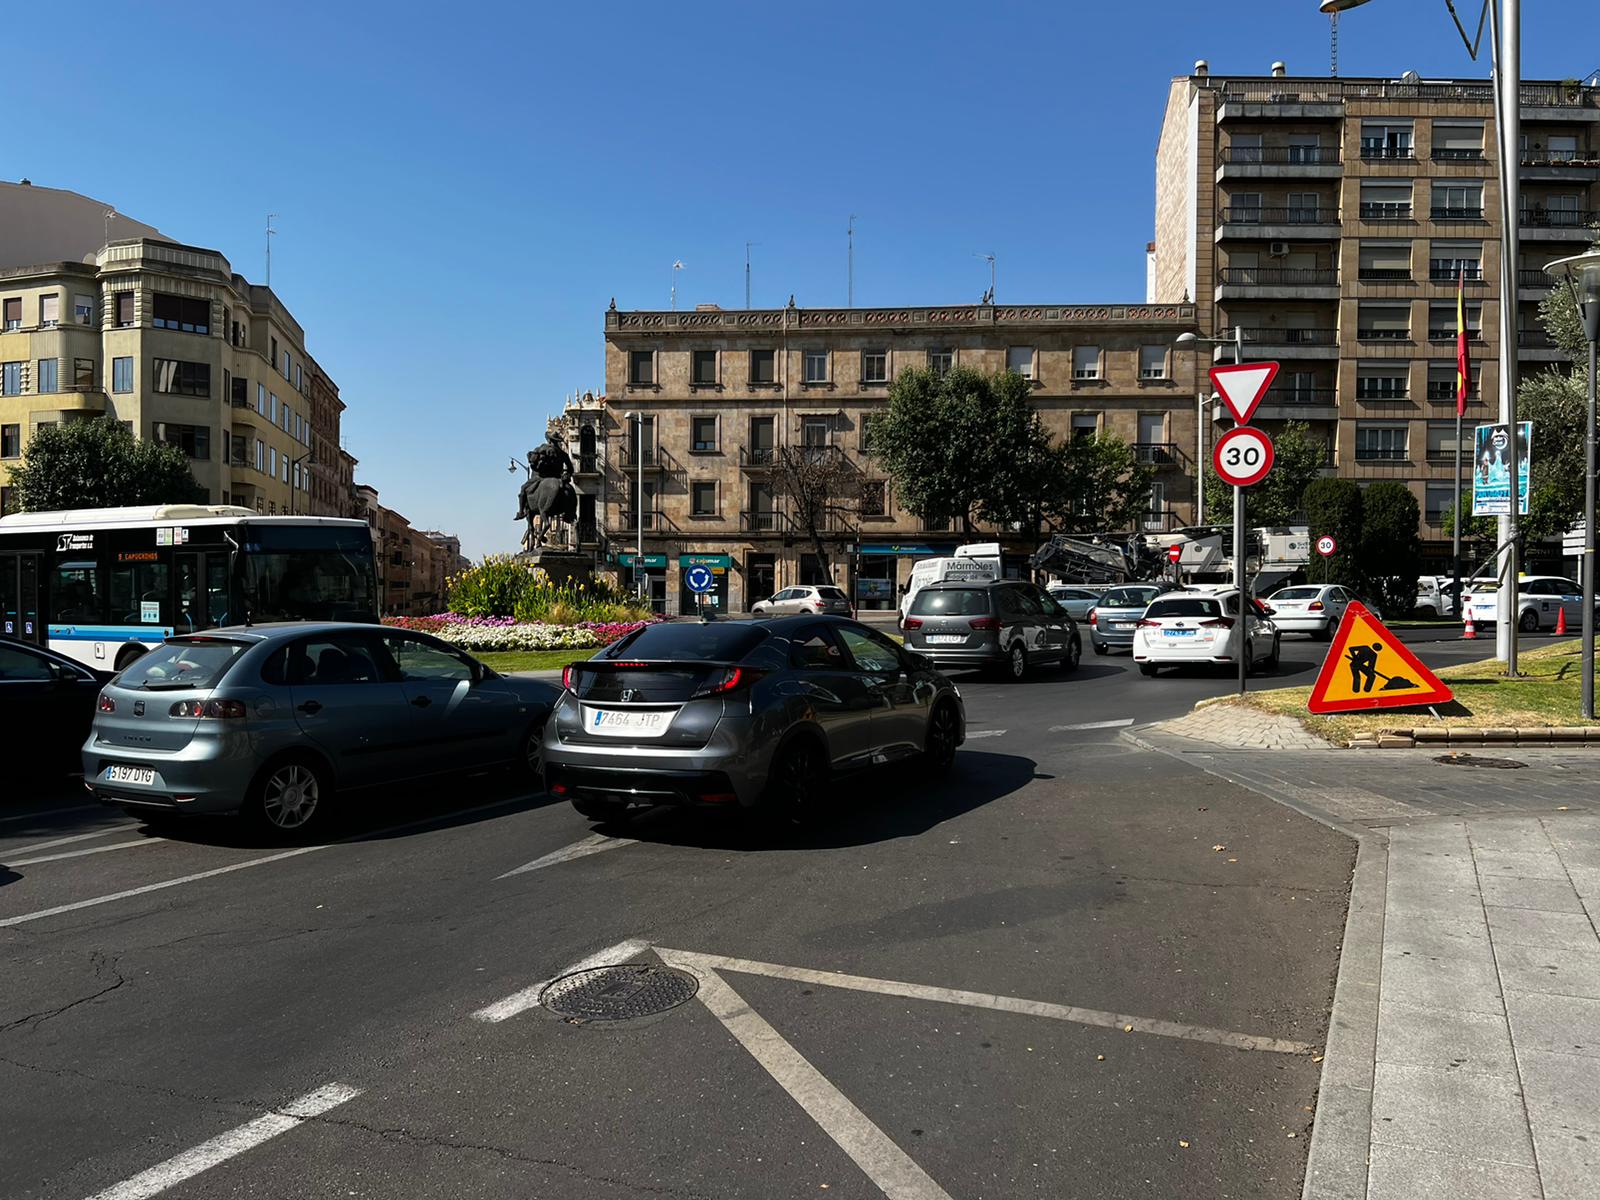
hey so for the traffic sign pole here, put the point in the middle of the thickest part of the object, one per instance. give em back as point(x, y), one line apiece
point(1239, 581)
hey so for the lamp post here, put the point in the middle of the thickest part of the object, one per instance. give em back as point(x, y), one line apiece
point(1506, 53)
point(1582, 273)
point(640, 580)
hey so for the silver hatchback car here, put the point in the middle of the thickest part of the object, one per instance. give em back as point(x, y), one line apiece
point(271, 720)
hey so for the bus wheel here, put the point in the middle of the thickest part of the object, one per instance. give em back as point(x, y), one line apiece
point(130, 652)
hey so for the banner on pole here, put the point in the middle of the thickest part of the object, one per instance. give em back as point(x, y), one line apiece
point(1491, 471)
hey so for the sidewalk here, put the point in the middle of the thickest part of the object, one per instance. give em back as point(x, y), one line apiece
point(1463, 1055)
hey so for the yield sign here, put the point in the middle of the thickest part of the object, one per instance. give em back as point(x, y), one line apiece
point(1242, 386)
point(1368, 668)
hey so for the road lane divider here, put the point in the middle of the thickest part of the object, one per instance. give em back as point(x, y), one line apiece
point(528, 997)
point(37, 813)
point(228, 1145)
point(594, 844)
point(984, 733)
point(1120, 723)
point(80, 853)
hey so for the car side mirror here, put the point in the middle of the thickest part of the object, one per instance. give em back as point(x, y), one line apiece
point(920, 661)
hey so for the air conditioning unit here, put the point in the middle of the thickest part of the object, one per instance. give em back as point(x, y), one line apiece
point(1277, 249)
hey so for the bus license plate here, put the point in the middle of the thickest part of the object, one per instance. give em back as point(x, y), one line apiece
point(611, 722)
point(140, 775)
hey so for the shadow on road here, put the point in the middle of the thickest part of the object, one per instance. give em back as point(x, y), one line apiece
point(1038, 675)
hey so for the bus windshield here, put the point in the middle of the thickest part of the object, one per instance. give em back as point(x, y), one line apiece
point(307, 573)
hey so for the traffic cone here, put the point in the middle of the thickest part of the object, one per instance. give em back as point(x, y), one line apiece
point(1471, 630)
point(1561, 621)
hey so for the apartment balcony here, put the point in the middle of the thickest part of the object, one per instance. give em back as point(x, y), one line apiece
point(1163, 456)
point(1448, 333)
point(1558, 224)
point(588, 531)
point(1277, 224)
point(1279, 162)
point(587, 464)
point(757, 459)
point(763, 521)
point(1159, 520)
point(1376, 153)
point(655, 521)
point(1534, 344)
point(1533, 284)
point(1580, 167)
point(1464, 155)
point(654, 458)
point(1268, 342)
point(1385, 213)
point(1473, 276)
point(1299, 404)
point(1279, 99)
point(1277, 283)
point(1456, 214)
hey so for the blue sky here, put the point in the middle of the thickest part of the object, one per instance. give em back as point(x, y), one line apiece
point(462, 188)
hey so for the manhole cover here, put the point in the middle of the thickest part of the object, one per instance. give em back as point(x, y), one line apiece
point(623, 993)
point(1478, 760)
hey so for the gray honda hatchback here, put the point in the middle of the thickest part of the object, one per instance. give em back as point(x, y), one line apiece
point(1010, 626)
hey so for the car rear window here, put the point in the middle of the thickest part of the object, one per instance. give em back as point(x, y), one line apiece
point(1301, 593)
point(830, 593)
point(1189, 606)
point(1128, 597)
point(182, 664)
point(950, 602)
point(664, 684)
point(711, 641)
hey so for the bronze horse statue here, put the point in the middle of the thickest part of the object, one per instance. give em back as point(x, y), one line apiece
point(548, 494)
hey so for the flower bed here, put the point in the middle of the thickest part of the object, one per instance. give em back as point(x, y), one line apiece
point(505, 633)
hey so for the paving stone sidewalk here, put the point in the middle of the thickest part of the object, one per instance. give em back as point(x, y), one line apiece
point(1241, 728)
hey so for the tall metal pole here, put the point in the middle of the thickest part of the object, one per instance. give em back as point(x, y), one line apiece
point(1507, 43)
point(1593, 323)
point(747, 274)
point(1200, 457)
point(1455, 520)
point(1243, 646)
point(850, 239)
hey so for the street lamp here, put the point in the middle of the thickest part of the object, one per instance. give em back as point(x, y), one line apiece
point(1582, 273)
point(640, 579)
point(1194, 341)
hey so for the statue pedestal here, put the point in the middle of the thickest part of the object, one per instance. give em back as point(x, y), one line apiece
point(563, 566)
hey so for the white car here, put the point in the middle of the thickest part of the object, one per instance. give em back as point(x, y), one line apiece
point(1315, 609)
point(823, 599)
point(1540, 601)
point(1434, 596)
point(1202, 627)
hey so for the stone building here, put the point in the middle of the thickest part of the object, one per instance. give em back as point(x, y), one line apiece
point(697, 404)
point(1331, 220)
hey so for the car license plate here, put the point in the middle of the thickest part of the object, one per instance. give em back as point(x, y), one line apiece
point(144, 775)
point(1119, 624)
point(945, 639)
point(1179, 633)
point(612, 722)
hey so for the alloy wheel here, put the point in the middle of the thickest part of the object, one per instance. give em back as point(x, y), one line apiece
point(290, 796)
point(1018, 662)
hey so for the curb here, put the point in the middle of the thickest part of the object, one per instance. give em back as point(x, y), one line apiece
point(1574, 737)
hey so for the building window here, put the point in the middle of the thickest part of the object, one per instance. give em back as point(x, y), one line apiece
point(703, 432)
point(10, 441)
point(816, 366)
point(1383, 322)
point(1381, 443)
point(641, 367)
point(49, 311)
point(261, 399)
point(273, 357)
point(7, 502)
point(870, 502)
point(1442, 441)
point(1450, 261)
point(1084, 425)
point(1378, 261)
point(13, 313)
point(1305, 148)
point(272, 460)
point(1457, 201)
point(124, 310)
point(866, 425)
point(83, 310)
point(49, 376)
point(816, 433)
point(11, 379)
point(703, 498)
point(83, 374)
point(1020, 359)
point(286, 365)
point(182, 313)
point(297, 377)
point(1385, 140)
point(1385, 201)
point(1442, 380)
point(1442, 321)
point(1438, 499)
point(874, 366)
point(1244, 208)
point(1457, 141)
point(122, 374)
point(193, 440)
point(705, 367)
point(935, 523)
point(272, 407)
point(1381, 381)
point(763, 366)
point(940, 361)
point(1086, 362)
point(182, 378)
point(1152, 362)
point(1244, 148)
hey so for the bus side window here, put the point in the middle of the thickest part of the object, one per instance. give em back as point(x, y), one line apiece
point(141, 593)
point(75, 594)
point(217, 591)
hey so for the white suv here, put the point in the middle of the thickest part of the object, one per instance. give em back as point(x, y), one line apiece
point(1540, 602)
point(1202, 627)
point(823, 599)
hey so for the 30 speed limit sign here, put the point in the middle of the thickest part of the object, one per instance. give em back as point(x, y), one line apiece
point(1242, 456)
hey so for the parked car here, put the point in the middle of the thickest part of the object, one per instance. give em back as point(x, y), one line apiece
point(1540, 601)
point(277, 721)
point(46, 707)
point(823, 599)
point(1113, 620)
point(1313, 609)
point(1009, 626)
point(1203, 627)
point(744, 713)
point(1435, 596)
point(1075, 599)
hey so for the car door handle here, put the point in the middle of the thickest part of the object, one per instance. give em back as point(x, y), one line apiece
point(310, 707)
point(422, 701)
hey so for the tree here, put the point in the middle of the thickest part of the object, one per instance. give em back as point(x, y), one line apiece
point(1106, 487)
point(823, 490)
point(1390, 547)
point(99, 464)
point(1297, 459)
point(1334, 507)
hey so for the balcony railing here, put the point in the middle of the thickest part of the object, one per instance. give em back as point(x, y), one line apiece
point(1292, 337)
point(1561, 158)
point(1373, 152)
point(1535, 278)
point(1445, 389)
point(1301, 395)
point(1158, 454)
point(587, 464)
point(1559, 218)
point(1383, 274)
point(1534, 339)
point(757, 458)
point(1307, 156)
point(1383, 335)
point(1451, 274)
point(1382, 454)
point(588, 531)
point(1385, 211)
point(654, 458)
point(1454, 154)
point(1456, 212)
point(1447, 333)
point(1380, 389)
point(1298, 215)
point(1271, 276)
point(763, 521)
point(1336, 91)
point(628, 520)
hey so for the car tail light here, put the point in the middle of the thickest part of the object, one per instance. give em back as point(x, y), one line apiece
point(911, 623)
point(106, 704)
point(1315, 606)
point(1217, 623)
point(211, 710)
point(985, 624)
point(558, 789)
point(1094, 616)
point(719, 798)
point(1147, 623)
point(567, 675)
point(729, 680)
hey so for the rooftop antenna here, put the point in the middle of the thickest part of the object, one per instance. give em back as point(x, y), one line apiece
point(1333, 44)
point(271, 233)
point(747, 246)
point(677, 265)
point(988, 297)
point(850, 238)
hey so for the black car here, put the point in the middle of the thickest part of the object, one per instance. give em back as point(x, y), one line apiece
point(46, 707)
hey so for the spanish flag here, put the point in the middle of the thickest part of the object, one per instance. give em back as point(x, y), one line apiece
point(1463, 366)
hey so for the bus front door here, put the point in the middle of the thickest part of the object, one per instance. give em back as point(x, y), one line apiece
point(19, 598)
point(202, 590)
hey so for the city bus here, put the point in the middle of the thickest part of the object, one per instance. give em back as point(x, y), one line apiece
point(103, 585)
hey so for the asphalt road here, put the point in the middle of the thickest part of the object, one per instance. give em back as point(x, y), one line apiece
point(924, 994)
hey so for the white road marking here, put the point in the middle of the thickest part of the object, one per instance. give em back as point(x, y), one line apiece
point(594, 844)
point(44, 858)
point(1119, 724)
point(77, 837)
point(528, 997)
point(888, 1166)
point(93, 901)
point(51, 812)
point(1032, 1008)
point(229, 1145)
point(983, 733)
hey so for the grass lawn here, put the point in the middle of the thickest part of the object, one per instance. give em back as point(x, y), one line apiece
point(1485, 699)
point(506, 661)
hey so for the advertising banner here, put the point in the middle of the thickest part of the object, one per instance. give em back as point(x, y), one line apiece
point(1491, 472)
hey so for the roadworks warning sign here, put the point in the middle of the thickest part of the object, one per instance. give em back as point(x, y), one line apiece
point(1368, 668)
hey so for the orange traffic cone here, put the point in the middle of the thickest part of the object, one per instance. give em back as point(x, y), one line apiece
point(1561, 622)
point(1471, 630)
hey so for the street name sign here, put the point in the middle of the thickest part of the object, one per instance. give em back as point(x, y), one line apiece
point(1367, 668)
point(1326, 545)
point(1242, 386)
point(1242, 456)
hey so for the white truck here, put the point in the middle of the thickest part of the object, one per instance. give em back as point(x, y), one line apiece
point(978, 562)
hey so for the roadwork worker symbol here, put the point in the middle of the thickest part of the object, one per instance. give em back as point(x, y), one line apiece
point(1367, 667)
point(1364, 667)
